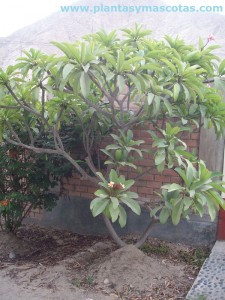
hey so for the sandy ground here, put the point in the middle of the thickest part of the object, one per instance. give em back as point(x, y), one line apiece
point(9, 290)
point(51, 264)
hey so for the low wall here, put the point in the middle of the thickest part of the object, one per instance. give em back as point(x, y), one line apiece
point(73, 213)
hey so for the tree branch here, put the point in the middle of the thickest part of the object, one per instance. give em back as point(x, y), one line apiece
point(10, 107)
point(25, 107)
point(113, 233)
point(29, 133)
point(14, 134)
point(35, 149)
point(146, 233)
point(97, 108)
point(98, 85)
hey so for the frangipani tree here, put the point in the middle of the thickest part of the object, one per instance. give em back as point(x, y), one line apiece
point(105, 85)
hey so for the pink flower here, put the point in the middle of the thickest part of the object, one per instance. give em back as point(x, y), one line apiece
point(210, 38)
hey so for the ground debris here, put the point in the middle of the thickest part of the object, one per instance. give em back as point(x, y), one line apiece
point(64, 262)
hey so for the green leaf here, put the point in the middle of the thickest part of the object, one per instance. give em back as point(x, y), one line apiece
point(101, 194)
point(99, 174)
point(0, 134)
point(113, 176)
point(168, 106)
point(86, 67)
point(85, 83)
point(217, 199)
point(218, 186)
point(122, 216)
point(190, 173)
point(132, 204)
point(108, 162)
point(164, 215)
point(161, 167)
point(182, 175)
point(114, 212)
point(170, 65)
point(150, 98)
point(135, 80)
point(172, 187)
point(160, 157)
point(157, 102)
point(115, 202)
point(155, 210)
point(211, 209)
point(129, 183)
point(132, 194)
point(121, 83)
point(129, 135)
point(177, 212)
point(176, 91)
point(98, 205)
point(67, 70)
point(112, 147)
point(221, 67)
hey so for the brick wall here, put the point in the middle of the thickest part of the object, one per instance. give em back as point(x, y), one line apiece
point(221, 225)
point(147, 184)
point(36, 214)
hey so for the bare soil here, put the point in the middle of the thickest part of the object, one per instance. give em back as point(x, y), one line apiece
point(42, 263)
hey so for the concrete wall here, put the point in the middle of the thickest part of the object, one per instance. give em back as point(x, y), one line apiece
point(73, 213)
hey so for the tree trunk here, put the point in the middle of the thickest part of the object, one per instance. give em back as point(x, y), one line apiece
point(120, 242)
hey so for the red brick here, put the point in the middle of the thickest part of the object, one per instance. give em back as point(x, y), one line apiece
point(146, 162)
point(92, 190)
point(145, 190)
point(195, 136)
point(154, 184)
point(132, 175)
point(162, 178)
point(192, 143)
point(65, 180)
point(71, 180)
point(38, 216)
point(81, 188)
point(185, 136)
point(133, 189)
point(68, 187)
point(169, 172)
point(147, 177)
point(221, 226)
point(141, 183)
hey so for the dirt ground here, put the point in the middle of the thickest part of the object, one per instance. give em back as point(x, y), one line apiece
point(51, 264)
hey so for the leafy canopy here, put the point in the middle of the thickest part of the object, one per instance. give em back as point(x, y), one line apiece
point(105, 84)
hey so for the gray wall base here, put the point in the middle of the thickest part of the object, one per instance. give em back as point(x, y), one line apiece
point(73, 214)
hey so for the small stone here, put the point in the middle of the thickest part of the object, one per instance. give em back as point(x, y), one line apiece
point(100, 246)
point(106, 281)
point(12, 255)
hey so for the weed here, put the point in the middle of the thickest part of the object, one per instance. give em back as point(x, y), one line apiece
point(76, 282)
point(89, 280)
point(159, 249)
point(195, 257)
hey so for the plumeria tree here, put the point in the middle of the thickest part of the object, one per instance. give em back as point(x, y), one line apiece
point(105, 84)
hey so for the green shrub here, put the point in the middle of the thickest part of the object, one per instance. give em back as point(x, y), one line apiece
point(25, 182)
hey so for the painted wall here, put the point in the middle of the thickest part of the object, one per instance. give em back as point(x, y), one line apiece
point(72, 213)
